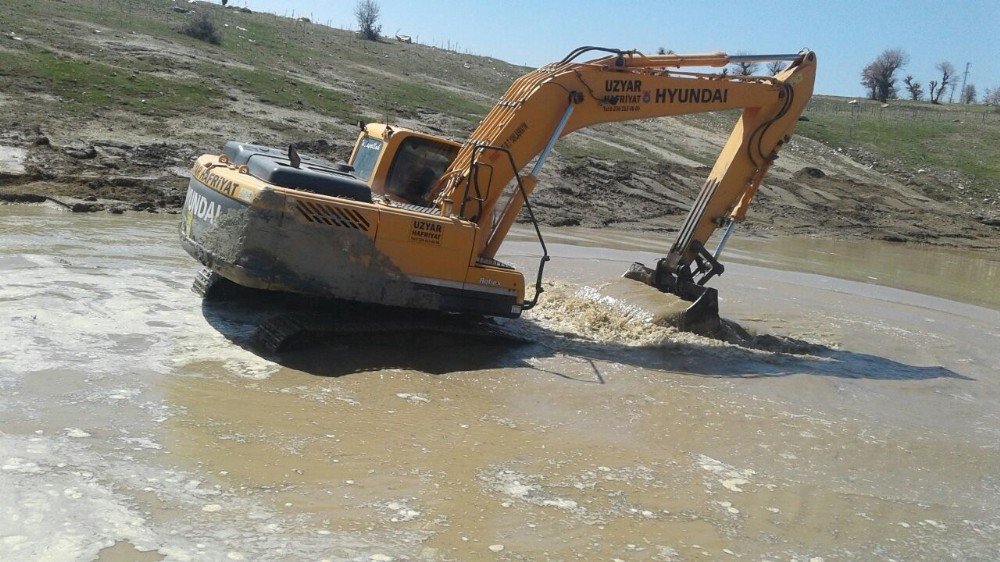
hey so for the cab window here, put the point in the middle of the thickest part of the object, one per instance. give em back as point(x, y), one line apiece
point(418, 164)
point(366, 156)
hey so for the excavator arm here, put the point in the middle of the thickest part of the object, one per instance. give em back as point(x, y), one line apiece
point(549, 103)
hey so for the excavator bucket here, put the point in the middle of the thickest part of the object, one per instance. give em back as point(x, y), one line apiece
point(637, 293)
point(703, 313)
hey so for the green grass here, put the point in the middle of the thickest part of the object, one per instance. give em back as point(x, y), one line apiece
point(577, 149)
point(90, 85)
point(405, 98)
point(152, 17)
point(964, 138)
point(284, 91)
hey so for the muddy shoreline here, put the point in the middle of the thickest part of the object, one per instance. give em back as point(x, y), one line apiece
point(120, 133)
point(114, 176)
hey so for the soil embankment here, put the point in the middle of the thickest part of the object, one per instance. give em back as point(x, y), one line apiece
point(828, 197)
point(107, 111)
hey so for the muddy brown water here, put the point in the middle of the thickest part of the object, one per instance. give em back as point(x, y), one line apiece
point(964, 275)
point(135, 423)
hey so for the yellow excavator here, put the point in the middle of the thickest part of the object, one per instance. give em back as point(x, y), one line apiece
point(414, 220)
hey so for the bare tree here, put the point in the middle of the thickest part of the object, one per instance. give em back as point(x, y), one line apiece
point(775, 67)
point(969, 94)
point(992, 97)
point(368, 12)
point(914, 87)
point(947, 71)
point(879, 77)
point(743, 68)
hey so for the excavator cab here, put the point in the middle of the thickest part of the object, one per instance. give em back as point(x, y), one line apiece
point(401, 164)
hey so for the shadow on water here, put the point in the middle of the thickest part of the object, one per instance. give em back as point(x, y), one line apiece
point(340, 338)
point(358, 338)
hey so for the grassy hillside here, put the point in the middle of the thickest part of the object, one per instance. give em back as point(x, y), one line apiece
point(962, 138)
point(102, 55)
point(124, 101)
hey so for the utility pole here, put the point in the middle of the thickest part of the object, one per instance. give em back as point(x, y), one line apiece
point(964, 78)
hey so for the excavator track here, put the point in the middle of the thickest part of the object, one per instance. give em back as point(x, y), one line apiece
point(295, 319)
point(274, 333)
point(212, 286)
point(288, 329)
point(203, 280)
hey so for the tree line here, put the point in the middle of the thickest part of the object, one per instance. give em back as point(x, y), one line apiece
point(881, 81)
point(879, 77)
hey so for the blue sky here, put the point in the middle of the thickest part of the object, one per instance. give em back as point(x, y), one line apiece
point(846, 34)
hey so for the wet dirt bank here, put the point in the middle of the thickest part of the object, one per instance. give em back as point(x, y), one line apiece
point(846, 201)
point(130, 417)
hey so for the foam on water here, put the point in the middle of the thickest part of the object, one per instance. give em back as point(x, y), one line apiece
point(576, 311)
point(102, 319)
point(582, 314)
point(60, 499)
point(53, 505)
point(93, 337)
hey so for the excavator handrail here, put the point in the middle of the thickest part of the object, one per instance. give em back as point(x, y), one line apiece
point(586, 49)
point(531, 214)
point(620, 54)
point(765, 58)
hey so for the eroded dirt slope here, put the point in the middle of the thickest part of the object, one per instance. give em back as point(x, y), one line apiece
point(108, 113)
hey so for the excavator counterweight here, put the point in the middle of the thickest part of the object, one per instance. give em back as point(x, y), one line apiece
point(416, 221)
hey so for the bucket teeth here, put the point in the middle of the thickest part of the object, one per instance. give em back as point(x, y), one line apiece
point(641, 273)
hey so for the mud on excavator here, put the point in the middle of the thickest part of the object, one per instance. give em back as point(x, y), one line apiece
point(415, 220)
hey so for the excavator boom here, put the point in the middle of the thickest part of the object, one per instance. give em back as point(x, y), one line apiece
point(562, 97)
